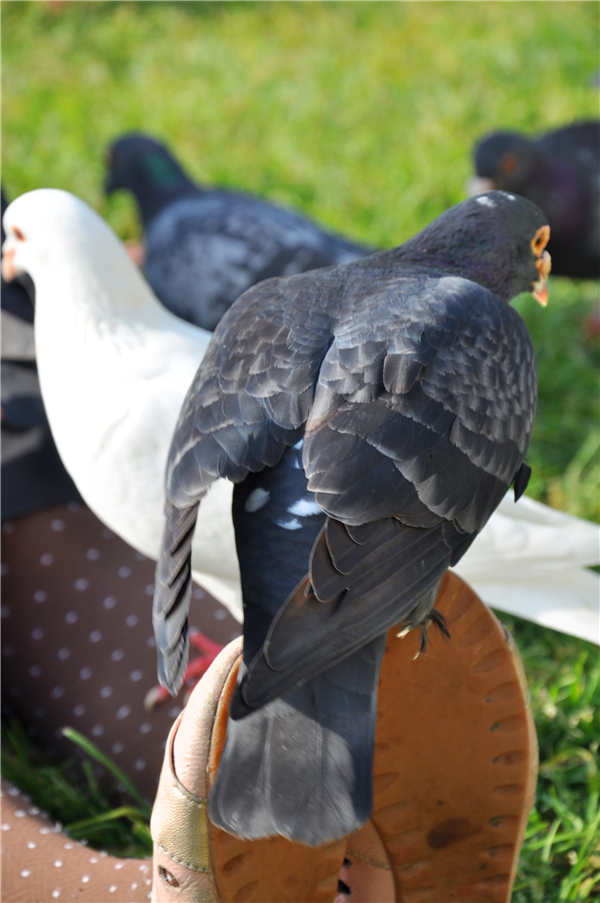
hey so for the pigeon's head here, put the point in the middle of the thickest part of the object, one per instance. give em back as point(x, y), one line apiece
point(503, 160)
point(140, 164)
point(44, 228)
point(496, 239)
point(73, 257)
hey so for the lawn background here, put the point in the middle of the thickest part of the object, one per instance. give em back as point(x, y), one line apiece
point(363, 116)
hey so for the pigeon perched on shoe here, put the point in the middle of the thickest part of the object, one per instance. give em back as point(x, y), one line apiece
point(398, 394)
point(560, 172)
point(206, 246)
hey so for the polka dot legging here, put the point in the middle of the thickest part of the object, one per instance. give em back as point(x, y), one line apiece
point(77, 644)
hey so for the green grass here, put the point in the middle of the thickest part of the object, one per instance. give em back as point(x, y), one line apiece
point(362, 115)
point(69, 793)
point(560, 860)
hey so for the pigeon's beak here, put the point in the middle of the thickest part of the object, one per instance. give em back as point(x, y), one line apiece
point(9, 271)
point(543, 264)
point(479, 185)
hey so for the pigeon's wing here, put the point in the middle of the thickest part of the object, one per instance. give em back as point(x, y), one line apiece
point(248, 402)
point(420, 423)
point(443, 389)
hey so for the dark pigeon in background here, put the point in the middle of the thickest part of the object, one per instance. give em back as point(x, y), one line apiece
point(560, 172)
point(372, 417)
point(205, 247)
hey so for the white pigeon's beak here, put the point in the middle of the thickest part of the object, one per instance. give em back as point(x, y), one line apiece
point(479, 185)
point(9, 270)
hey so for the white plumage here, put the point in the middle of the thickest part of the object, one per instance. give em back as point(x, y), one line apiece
point(114, 367)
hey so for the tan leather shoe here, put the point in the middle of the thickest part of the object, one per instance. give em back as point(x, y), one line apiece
point(193, 860)
point(454, 781)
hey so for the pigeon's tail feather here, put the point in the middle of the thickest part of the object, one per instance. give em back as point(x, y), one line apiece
point(172, 594)
point(302, 766)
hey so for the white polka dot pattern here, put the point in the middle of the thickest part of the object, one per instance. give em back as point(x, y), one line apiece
point(77, 639)
point(30, 868)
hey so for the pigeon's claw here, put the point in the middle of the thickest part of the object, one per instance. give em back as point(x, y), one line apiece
point(437, 618)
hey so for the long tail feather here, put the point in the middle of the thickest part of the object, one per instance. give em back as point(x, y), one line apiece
point(172, 595)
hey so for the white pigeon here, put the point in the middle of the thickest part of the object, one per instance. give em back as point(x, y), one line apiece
point(114, 367)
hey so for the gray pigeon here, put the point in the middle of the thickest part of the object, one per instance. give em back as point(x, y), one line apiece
point(205, 247)
point(371, 416)
point(560, 172)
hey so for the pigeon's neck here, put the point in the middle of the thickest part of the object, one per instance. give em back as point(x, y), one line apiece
point(152, 199)
point(474, 260)
point(104, 293)
point(158, 182)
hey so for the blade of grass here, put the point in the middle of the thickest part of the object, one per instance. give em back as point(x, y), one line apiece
point(135, 815)
point(92, 750)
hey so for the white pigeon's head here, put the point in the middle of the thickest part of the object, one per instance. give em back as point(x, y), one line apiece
point(48, 227)
point(72, 253)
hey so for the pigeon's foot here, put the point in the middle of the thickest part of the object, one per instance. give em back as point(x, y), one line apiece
point(198, 666)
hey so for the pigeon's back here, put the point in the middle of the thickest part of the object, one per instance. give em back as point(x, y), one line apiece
point(205, 251)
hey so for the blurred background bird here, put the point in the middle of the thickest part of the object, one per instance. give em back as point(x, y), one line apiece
point(204, 247)
point(560, 172)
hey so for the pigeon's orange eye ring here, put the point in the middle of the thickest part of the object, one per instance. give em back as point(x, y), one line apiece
point(18, 234)
point(540, 240)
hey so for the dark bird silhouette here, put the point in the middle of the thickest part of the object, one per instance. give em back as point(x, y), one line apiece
point(371, 416)
point(205, 247)
point(560, 172)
